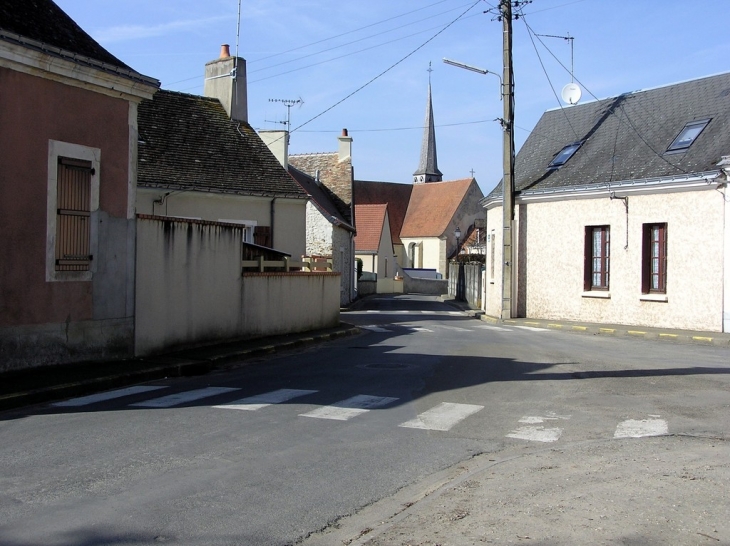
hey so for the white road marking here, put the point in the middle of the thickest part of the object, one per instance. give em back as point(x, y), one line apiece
point(420, 329)
point(352, 407)
point(110, 395)
point(495, 328)
point(183, 397)
point(253, 403)
point(442, 417)
point(455, 328)
point(456, 313)
point(533, 329)
point(640, 428)
point(536, 434)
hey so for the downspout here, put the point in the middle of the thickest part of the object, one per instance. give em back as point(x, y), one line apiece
point(271, 221)
point(724, 164)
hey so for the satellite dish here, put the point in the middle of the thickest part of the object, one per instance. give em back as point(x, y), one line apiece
point(571, 93)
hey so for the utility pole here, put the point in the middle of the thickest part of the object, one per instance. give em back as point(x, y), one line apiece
point(508, 159)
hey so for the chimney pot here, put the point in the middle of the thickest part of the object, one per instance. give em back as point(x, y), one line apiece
point(344, 132)
point(225, 51)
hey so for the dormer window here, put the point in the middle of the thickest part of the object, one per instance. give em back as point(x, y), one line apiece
point(564, 155)
point(688, 135)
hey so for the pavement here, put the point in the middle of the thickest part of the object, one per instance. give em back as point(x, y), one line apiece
point(38, 385)
point(667, 489)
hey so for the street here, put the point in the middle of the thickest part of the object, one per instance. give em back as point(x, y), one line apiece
point(280, 449)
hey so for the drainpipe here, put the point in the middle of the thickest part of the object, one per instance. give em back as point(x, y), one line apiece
point(271, 221)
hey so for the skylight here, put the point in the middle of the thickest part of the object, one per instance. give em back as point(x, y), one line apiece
point(687, 136)
point(564, 155)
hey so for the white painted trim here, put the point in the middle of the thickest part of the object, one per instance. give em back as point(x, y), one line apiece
point(597, 294)
point(23, 59)
point(58, 149)
point(726, 284)
point(654, 297)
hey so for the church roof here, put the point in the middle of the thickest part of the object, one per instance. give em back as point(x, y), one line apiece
point(370, 224)
point(433, 206)
point(428, 165)
point(395, 195)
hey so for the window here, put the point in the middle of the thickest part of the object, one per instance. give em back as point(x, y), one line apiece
point(492, 248)
point(73, 215)
point(72, 204)
point(564, 155)
point(654, 259)
point(597, 258)
point(688, 135)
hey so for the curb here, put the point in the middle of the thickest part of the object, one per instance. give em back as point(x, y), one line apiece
point(185, 367)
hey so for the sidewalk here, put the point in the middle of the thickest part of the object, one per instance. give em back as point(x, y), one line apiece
point(38, 385)
point(664, 334)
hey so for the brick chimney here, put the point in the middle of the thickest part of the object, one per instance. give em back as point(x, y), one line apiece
point(345, 148)
point(278, 143)
point(225, 80)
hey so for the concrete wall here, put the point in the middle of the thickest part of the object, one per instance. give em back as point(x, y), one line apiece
point(550, 264)
point(68, 318)
point(435, 287)
point(190, 290)
point(289, 214)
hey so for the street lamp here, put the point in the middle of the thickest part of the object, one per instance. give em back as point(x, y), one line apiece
point(508, 156)
point(457, 234)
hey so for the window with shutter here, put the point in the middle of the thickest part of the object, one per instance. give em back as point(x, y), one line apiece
point(73, 219)
point(654, 259)
point(597, 257)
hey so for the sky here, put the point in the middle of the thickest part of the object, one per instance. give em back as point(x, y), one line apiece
point(364, 65)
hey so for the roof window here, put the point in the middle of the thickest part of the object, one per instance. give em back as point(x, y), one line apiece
point(564, 155)
point(688, 135)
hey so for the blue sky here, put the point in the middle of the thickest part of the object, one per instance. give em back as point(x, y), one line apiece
point(322, 51)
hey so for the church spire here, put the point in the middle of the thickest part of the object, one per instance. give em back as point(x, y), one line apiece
point(428, 170)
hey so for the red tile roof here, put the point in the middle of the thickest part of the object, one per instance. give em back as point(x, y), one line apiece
point(370, 220)
point(395, 195)
point(433, 206)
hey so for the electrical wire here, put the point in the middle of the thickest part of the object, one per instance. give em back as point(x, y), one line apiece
point(391, 67)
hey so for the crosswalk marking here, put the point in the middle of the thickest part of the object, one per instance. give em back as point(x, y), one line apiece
point(253, 403)
point(349, 408)
point(374, 328)
point(442, 417)
point(632, 428)
point(109, 395)
point(534, 433)
point(183, 397)
point(533, 328)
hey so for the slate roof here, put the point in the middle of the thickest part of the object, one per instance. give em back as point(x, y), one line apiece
point(433, 206)
point(395, 195)
point(336, 176)
point(370, 223)
point(428, 164)
point(626, 137)
point(42, 25)
point(321, 198)
point(188, 142)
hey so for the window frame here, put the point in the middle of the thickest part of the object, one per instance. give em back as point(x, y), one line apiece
point(591, 259)
point(649, 258)
point(566, 152)
point(675, 145)
point(58, 149)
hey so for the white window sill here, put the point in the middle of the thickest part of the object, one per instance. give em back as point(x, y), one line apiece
point(597, 294)
point(654, 297)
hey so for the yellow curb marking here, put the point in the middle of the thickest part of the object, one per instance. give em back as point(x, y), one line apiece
point(608, 330)
point(668, 335)
point(555, 325)
point(582, 328)
point(533, 323)
point(700, 338)
point(636, 333)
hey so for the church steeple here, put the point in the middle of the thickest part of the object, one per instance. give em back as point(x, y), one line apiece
point(428, 170)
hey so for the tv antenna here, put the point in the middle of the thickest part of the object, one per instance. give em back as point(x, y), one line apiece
point(288, 103)
point(571, 93)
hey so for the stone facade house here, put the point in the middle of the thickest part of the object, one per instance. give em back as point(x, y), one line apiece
point(622, 212)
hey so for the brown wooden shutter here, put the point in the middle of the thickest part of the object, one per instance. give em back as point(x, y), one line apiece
point(73, 219)
point(588, 259)
point(262, 236)
point(646, 258)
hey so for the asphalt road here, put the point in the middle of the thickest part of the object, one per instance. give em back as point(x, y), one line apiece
point(285, 446)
